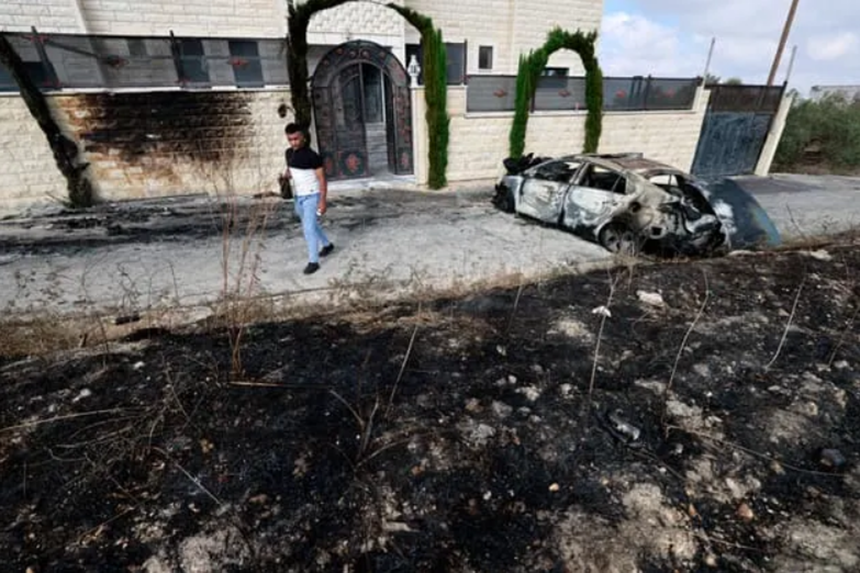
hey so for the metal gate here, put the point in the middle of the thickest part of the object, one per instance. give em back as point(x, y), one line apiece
point(338, 96)
point(734, 129)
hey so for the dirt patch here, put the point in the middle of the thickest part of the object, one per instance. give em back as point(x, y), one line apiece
point(715, 431)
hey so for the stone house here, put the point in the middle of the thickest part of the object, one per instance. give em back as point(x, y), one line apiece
point(175, 97)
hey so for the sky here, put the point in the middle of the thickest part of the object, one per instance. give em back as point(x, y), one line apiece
point(671, 38)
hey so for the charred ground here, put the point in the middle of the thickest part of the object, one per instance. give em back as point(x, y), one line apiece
point(462, 434)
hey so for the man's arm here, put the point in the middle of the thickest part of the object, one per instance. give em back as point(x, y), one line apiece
point(320, 172)
point(286, 174)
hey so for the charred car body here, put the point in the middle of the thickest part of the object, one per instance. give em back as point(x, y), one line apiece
point(630, 204)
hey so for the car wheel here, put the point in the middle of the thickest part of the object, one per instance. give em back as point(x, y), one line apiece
point(504, 199)
point(619, 238)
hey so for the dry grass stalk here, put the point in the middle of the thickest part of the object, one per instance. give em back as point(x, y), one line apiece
point(787, 325)
point(683, 345)
point(235, 307)
point(603, 316)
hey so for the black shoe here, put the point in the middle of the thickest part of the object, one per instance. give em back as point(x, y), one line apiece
point(326, 251)
point(311, 268)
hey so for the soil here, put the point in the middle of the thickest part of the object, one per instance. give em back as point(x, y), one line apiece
point(685, 416)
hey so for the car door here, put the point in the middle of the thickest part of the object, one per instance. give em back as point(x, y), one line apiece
point(542, 193)
point(596, 193)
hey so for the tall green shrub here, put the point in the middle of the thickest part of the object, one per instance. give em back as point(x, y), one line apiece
point(529, 73)
point(435, 68)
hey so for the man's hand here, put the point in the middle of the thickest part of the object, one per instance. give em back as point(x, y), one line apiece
point(321, 206)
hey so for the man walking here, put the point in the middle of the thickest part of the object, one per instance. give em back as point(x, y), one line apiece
point(305, 168)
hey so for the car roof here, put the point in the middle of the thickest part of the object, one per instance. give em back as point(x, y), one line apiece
point(634, 162)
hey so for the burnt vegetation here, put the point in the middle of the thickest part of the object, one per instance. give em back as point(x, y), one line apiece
point(711, 427)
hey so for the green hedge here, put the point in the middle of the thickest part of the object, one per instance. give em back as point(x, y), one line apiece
point(435, 67)
point(529, 73)
point(435, 77)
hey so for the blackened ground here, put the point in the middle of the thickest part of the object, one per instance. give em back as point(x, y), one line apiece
point(468, 434)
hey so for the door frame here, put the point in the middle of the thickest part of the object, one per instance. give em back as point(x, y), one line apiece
point(352, 162)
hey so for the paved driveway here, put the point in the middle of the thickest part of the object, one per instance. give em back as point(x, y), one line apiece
point(808, 205)
point(143, 254)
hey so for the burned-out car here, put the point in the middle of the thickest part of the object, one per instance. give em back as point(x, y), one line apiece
point(631, 204)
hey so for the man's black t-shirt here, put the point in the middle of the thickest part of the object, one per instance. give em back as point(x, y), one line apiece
point(304, 163)
point(303, 158)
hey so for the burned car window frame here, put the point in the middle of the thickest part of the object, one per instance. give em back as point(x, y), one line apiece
point(588, 171)
point(566, 173)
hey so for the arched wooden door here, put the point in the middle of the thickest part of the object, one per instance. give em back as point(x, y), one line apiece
point(346, 107)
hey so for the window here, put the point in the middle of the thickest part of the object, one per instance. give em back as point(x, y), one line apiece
point(560, 171)
point(456, 58)
point(7, 84)
point(41, 73)
point(137, 47)
point(193, 59)
point(555, 72)
point(373, 92)
point(245, 59)
point(597, 177)
point(485, 58)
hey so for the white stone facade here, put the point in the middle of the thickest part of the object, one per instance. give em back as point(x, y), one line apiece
point(478, 141)
point(509, 27)
point(255, 158)
point(58, 16)
point(220, 18)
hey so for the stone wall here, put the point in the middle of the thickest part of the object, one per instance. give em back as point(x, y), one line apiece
point(223, 18)
point(147, 144)
point(58, 16)
point(510, 27)
point(479, 141)
point(29, 174)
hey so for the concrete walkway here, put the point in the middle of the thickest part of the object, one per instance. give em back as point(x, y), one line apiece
point(146, 254)
point(135, 256)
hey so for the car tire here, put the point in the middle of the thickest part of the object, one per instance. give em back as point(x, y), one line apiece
point(619, 238)
point(504, 199)
point(508, 202)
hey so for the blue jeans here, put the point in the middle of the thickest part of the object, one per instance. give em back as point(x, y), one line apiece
point(306, 209)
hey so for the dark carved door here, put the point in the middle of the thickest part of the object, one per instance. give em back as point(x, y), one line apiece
point(338, 95)
point(349, 120)
point(399, 126)
point(340, 124)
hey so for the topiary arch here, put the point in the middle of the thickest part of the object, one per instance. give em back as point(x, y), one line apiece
point(528, 74)
point(434, 68)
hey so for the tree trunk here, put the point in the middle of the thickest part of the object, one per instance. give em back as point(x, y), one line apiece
point(66, 153)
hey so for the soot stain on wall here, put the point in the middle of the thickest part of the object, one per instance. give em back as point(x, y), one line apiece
point(139, 128)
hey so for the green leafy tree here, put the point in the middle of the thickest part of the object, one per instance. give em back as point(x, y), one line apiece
point(823, 133)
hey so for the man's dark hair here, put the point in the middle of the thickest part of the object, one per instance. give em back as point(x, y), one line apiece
point(292, 128)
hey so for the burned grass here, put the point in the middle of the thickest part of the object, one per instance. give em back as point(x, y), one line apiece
point(462, 435)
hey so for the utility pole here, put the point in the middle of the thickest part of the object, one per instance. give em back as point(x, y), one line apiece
point(785, 30)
